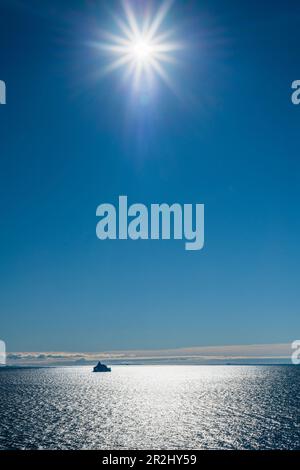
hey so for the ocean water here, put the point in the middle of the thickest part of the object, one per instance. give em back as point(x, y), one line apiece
point(151, 407)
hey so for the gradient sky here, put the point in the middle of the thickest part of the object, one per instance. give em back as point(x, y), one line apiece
point(71, 141)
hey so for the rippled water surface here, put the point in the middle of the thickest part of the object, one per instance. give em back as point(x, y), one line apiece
point(151, 407)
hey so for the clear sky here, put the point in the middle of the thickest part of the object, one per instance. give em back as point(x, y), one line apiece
point(71, 140)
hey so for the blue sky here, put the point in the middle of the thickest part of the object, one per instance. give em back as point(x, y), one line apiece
point(71, 140)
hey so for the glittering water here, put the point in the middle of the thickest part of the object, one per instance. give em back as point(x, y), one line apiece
point(151, 407)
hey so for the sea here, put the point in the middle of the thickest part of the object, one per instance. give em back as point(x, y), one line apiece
point(150, 407)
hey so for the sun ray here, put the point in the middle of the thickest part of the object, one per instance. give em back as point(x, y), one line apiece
point(131, 19)
point(124, 28)
point(164, 76)
point(116, 39)
point(159, 18)
point(166, 58)
point(116, 64)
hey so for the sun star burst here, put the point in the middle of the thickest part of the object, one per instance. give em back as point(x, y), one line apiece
point(140, 48)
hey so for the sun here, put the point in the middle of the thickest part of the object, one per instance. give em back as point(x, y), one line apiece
point(141, 48)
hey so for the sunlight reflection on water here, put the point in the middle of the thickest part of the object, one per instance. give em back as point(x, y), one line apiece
point(151, 407)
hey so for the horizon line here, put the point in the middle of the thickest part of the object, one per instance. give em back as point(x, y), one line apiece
point(270, 352)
